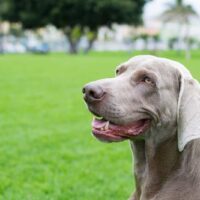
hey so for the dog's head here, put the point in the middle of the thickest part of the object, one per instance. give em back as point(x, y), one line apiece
point(144, 95)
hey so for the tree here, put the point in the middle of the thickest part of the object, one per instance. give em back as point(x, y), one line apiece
point(156, 39)
point(31, 14)
point(145, 38)
point(74, 17)
point(27, 14)
point(172, 42)
point(91, 14)
point(180, 14)
point(3, 6)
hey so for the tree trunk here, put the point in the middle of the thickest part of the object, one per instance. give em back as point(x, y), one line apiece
point(90, 45)
point(155, 48)
point(187, 45)
point(72, 39)
point(146, 43)
point(1, 44)
point(179, 39)
point(91, 36)
point(73, 46)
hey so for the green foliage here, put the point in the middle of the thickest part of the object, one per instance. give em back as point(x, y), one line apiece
point(73, 16)
point(156, 37)
point(95, 13)
point(179, 12)
point(172, 41)
point(179, 2)
point(31, 14)
point(144, 36)
point(91, 35)
point(75, 33)
point(62, 13)
point(91, 14)
point(16, 30)
point(192, 41)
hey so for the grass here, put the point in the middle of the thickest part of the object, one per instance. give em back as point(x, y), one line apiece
point(46, 149)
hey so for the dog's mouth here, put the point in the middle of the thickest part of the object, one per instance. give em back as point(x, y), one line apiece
point(109, 132)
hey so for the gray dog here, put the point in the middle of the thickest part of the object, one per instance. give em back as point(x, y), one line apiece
point(155, 103)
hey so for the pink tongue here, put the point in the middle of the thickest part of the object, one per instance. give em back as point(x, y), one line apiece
point(97, 124)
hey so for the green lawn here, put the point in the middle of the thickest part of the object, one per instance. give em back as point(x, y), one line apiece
point(46, 149)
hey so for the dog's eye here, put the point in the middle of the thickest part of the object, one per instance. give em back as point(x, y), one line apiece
point(148, 80)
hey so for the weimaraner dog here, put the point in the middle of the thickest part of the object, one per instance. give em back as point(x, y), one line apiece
point(155, 103)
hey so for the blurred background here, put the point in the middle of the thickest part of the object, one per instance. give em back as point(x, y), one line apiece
point(77, 26)
point(48, 51)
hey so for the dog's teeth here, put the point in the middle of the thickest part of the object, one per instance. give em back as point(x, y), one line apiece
point(98, 118)
point(107, 125)
point(102, 129)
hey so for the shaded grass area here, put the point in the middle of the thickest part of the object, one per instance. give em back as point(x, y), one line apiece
point(46, 149)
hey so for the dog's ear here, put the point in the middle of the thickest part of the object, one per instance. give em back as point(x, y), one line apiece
point(188, 116)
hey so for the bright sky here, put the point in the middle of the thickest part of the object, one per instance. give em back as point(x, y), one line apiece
point(155, 7)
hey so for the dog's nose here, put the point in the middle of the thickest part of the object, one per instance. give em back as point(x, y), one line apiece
point(93, 93)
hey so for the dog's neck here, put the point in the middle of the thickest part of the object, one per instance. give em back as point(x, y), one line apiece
point(153, 163)
point(161, 164)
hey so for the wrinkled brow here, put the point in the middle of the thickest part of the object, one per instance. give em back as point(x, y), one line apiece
point(142, 72)
point(120, 69)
